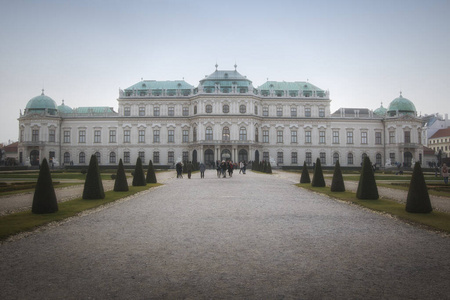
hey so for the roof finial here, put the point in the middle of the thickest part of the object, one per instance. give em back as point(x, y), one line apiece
point(381, 103)
point(42, 92)
point(400, 93)
point(235, 66)
point(216, 66)
point(62, 101)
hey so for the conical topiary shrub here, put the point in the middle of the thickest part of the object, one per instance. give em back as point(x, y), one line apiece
point(367, 187)
point(337, 184)
point(44, 199)
point(318, 180)
point(121, 183)
point(269, 168)
point(151, 176)
point(305, 175)
point(139, 177)
point(93, 185)
point(418, 200)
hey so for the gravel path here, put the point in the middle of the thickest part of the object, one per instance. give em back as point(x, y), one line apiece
point(253, 236)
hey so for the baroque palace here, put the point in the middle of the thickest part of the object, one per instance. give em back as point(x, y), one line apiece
point(224, 117)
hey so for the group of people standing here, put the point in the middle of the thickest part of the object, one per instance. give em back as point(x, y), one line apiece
point(222, 168)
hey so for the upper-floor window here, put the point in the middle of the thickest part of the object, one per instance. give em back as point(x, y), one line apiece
point(209, 134)
point(363, 137)
point(97, 136)
point(242, 109)
point(185, 136)
point(256, 134)
point(52, 135)
point(321, 137)
point(156, 111)
point(256, 109)
point(407, 137)
point(279, 111)
point(156, 137)
point(335, 137)
point(293, 111)
point(171, 111)
point(419, 137)
point(242, 134)
point(66, 136)
point(141, 111)
point(127, 136)
point(279, 136)
point(322, 112)
point(265, 136)
point(294, 136)
point(209, 108)
point(185, 111)
point(127, 111)
point(194, 134)
point(307, 137)
point(171, 136)
point(195, 109)
point(307, 112)
point(141, 136)
point(391, 137)
point(82, 136)
point(226, 109)
point(265, 111)
point(112, 136)
point(35, 135)
point(225, 134)
point(378, 138)
point(349, 137)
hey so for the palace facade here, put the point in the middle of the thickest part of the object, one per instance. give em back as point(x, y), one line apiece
point(224, 117)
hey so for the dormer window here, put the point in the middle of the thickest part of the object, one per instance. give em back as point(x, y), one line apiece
point(209, 108)
point(226, 109)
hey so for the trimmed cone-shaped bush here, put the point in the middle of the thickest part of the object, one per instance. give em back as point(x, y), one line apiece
point(305, 175)
point(139, 176)
point(418, 200)
point(318, 180)
point(44, 200)
point(269, 168)
point(151, 176)
point(93, 185)
point(121, 183)
point(337, 184)
point(367, 187)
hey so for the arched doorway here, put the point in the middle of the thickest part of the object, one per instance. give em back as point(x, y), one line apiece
point(34, 158)
point(194, 156)
point(209, 158)
point(243, 155)
point(256, 155)
point(407, 159)
point(226, 155)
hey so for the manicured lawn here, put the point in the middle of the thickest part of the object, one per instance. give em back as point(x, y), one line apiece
point(26, 221)
point(435, 220)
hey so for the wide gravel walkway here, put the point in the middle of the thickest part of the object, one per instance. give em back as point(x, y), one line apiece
point(252, 236)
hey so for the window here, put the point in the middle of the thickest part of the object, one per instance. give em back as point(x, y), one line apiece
point(335, 157)
point(407, 137)
point(256, 109)
point(256, 134)
point(419, 137)
point(185, 111)
point(242, 109)
point(97, 154)
point(323, 158)
point(294, 158)
point(378, 159)
point(349, 137)
point(308, 137)
point(335, 137)
point(265, 111)
point(293, 111)
point(82, 136)
point(66, 136)
point(265, 136)
point(127, 111)
point(321, 112)
point(307, 112)
point(279, 136)
point(51, 135)
point(226, 109)
point(97, 136)
point(51, 156)
point(392, 158)
point(141, 111)
point(266, 156)
point(171, 136)
point(363, 137)
point(112, 158)
point(378, 138)
point(195, 109)
point(194, 134)
point(35, 135)
point(126, 157)
point(308, 158)
point(185, 156)
point(280, 157)
point(141, 155)
point(156, 111)
point(294, 136)
point(156, 138)
point(126, 136)
point(279, 111)
point(82, 158)
point(243, 134)
point(66, 157)
point(321, 137)
point(171, 111)
point(112, 136)
point(209, 108)
point(225, 134)
point(209, 134)
point(350, 159)
point(141, 134)
point(185, 136)
point(391, 137)
point(170, 157)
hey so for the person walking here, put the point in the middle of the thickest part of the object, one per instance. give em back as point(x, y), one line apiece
point(244, 168)
point(179, 168)
point(445, 173)
point(202, 170)
point(189, 169)
point(241, 167)
point(223, 167)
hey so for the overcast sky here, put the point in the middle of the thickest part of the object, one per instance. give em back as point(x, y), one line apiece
point(363, 52)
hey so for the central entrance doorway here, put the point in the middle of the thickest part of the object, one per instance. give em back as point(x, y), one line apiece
point(226, 155)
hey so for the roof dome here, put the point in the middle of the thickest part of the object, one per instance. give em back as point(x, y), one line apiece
point(65, 109)
point(380, 111)
point(401, 106)
point(41, 103)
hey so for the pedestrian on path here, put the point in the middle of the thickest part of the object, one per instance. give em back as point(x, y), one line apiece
point(202, 170)
point(189, 169)
point(445, 173)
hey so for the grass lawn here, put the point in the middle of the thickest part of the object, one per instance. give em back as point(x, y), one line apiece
point(435, 220)
point(26, 221)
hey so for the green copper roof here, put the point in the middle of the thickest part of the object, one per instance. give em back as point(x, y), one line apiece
point(380, 111)
point(401, 105)
point(64, 109)
point(41, 102)
point(225, 75)
point(93, 110)
point(289, 86)
point(161, 85)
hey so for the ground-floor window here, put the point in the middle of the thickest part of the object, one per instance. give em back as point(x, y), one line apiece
point(170, 157)
point(98, 157)
point(266, 156)
point(294, 158)
point(112, 158)
point(185, 156)
point(156, 157)
point(126, 157)
point(323, 158)
point(392, 157)
point(308, 158)
point(280, 157)
point(335, 157)
point(66, 157)
point(141, 155)
point(350, 159)
point(378, 159)
point(82, 158)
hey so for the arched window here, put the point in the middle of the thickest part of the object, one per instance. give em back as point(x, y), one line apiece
point(112, 158)
point(209, 108)
point(225, 134)
point(195, 109)
point(226, 109)
point(82, 158)
point(378, 159)
point(209, 134)
point(98, 157)
point(256, 134)
point(350, 159)
point(66, 157)
point(242, 134)
point(335, 157)
point(194, 134)
point(242, 109)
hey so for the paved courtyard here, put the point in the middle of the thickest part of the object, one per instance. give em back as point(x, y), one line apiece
point(252, 236)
